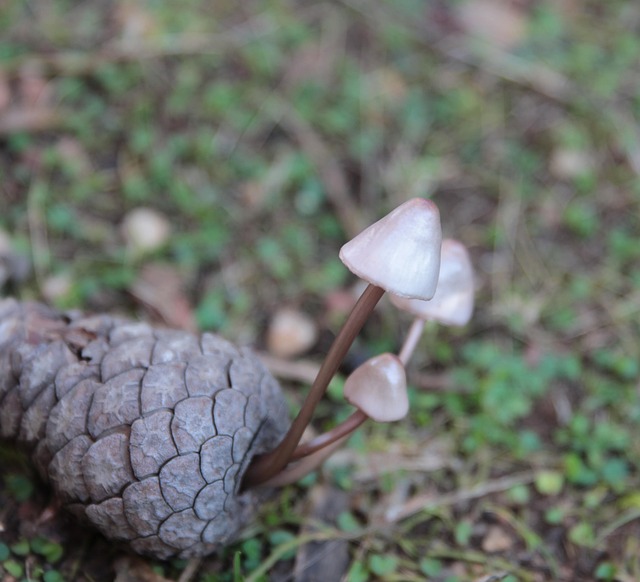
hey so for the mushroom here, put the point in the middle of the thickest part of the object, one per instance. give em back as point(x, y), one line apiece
point(453, 301)
point(401, 254)
point(378, 389)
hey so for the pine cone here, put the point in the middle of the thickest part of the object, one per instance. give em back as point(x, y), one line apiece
point(144, 433)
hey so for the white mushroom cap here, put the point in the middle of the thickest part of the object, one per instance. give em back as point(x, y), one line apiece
point(452, 303)
point(379, 388)
point(400, 252)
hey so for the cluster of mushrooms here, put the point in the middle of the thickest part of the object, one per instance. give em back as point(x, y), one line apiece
point(402, 254)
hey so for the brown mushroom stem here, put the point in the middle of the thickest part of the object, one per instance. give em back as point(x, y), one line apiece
point(296, 471)
point(343, 429)
point(265, 466)
point(411, 341)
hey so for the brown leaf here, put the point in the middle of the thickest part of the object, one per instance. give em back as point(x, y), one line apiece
point(497, 540)
point(132, 569)
point(325, 560)
point(35, 91)
point(5, 92)
point(16, 119)
point(161, 288)
point(134, 21)
point(498, 22)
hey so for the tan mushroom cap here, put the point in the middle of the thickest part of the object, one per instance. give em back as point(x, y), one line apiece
point(400, 252)
point(379, 388)
point(453, 301)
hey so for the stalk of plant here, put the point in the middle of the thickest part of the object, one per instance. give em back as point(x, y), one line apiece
point(378, 389)
point(400, 254)
point(452, 304)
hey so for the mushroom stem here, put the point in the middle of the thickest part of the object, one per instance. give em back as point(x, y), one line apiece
point(343, 429)
point(302, 468)
point(265, 466)
point(411, 341)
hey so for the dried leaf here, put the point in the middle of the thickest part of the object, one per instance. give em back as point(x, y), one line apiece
point(497, 540)
point(498, 22)
point(161, 287)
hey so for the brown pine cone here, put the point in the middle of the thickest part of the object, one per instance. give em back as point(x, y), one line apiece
point(145, 433)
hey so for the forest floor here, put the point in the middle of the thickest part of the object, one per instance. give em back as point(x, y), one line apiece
point(263, 136)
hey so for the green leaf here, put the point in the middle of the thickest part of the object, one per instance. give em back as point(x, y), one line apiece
point(14, 568)
point(358, 572)
point(280, 537)
point(237, 567)
point(462, 532)
point(21, 548)
point(430, 567)
point(347, 522)
point(549, 482)
point(382, 565)
point(582, 534)
point(53, 576)
point(20, 487)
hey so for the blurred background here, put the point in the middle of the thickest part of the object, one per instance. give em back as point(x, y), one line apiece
point(199, 165)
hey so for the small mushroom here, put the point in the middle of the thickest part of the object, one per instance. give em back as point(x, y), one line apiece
point(401, 254)
point(453, 301)
point(379, 388)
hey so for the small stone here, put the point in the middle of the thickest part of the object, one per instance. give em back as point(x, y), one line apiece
point(570, 163)
point(291, 333)
point(57, 287)
point(496, 540)
point(145, 230)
